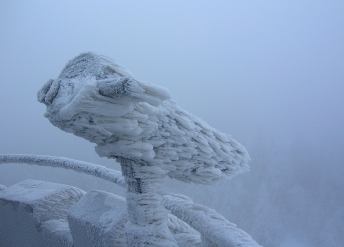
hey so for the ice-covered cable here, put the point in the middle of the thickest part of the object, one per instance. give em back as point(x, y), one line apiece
point(102, 172)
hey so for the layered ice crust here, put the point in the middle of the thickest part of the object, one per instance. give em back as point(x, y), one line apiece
point(97, 100)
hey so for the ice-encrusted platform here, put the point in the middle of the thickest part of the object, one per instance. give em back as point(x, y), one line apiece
point(33, 213)
point(50, 214)
point(190, 224)
point(56, 215)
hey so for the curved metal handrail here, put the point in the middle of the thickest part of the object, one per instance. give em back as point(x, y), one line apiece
point(102, 172)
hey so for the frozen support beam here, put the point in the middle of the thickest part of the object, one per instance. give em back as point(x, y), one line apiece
point(27, 211)
point(148, 225)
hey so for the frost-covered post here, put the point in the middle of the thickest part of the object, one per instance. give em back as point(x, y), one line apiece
point(147, 217)
point(147, 133)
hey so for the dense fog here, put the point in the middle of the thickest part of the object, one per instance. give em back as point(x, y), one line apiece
point(270, 73)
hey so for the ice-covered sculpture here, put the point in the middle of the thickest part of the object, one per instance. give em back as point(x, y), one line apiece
point(145, 131)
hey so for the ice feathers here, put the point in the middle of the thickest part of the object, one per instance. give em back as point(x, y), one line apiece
point(126, 118)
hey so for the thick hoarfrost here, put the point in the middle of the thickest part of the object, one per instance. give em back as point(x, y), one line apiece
point(183, 233)
point(148, 220)
point(66, 163)
point(214, 228)
point(29, 207)
point(126, 118)
point(98, 220)
point(179, 205)
point(56, 233)
point(140, 126)
point(46, 200)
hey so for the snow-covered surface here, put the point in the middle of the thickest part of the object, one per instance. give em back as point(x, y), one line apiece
point(205, 220)
point(66, 163)
point(148, 219)
point(97, 100)
point(183, 233)
point(180, 206)
point(215, 229)
point(38, 212)
point(98, 219)
point(27, 208)
point(46, 200)
point(56, 233)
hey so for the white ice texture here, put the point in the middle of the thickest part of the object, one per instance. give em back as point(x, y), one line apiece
point(99, 220)
point(126, 118)
point(102, 172)
point(34, 213)
point(38, 211)
point(216, 230)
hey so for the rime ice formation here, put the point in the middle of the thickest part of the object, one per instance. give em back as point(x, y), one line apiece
point(66, 163)
point(184, 234)
point(140, 126)
point(98, 220)
point(31, 207)
point(95, 99)
point(215, 229)
point(97, 210)
point(56, 233)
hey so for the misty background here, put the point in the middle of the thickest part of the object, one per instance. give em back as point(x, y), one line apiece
point(270, 73)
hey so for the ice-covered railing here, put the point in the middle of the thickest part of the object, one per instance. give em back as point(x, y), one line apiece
point(215, 229)
point(65, 163)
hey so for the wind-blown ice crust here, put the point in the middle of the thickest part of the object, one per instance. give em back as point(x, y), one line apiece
point(99, 101)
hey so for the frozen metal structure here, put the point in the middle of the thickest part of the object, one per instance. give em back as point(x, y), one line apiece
point(151, 137)
point(63, 216)
point(145, 131)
